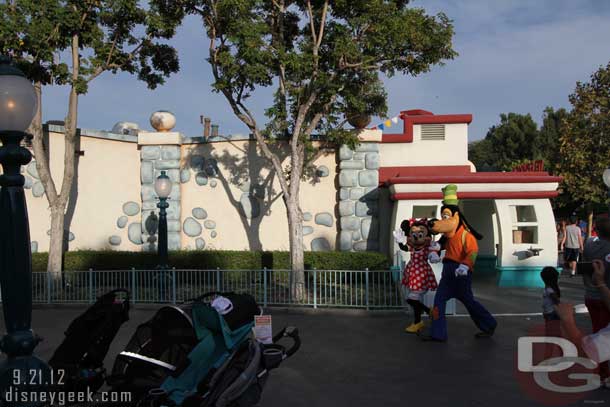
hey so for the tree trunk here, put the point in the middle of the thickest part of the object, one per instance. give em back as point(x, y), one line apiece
point(56, 247)
point(297, 258)
point(590, 223)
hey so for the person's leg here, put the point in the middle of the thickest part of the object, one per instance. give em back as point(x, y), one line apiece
point(444, 292)
point(478, 313)
point(417, 311)
point(552, 328)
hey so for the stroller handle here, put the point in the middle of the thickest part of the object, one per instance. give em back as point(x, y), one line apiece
point(292, 333)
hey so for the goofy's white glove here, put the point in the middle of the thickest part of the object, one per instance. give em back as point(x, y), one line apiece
point(433, 257)
point(435, 246)
point(462, 270)
point(399, 236)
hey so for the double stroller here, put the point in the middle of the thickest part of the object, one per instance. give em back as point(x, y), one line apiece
point(191, 355)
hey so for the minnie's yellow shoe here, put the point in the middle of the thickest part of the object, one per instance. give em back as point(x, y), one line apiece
point(415, 328)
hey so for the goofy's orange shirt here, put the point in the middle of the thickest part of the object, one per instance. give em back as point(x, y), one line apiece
point(462, 248)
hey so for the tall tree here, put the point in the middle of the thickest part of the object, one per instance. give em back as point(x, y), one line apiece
point(515, 139)
point(481, 154)
point(584, 144)
point(320, 57)
point(548, 140)
point(73, 42)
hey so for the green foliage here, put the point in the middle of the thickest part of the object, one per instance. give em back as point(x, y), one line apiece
point(517, 140)
point(550, 132)
point(210, 259)
point(584, 144)
point(513, 140)
point(113, 35)
point(324, 58)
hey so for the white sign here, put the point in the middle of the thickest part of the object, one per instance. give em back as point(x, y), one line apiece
point(263, 331)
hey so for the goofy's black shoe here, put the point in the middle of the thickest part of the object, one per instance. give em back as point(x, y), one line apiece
point(485, 334)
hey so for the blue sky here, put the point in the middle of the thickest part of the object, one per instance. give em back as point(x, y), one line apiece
point(515, 56)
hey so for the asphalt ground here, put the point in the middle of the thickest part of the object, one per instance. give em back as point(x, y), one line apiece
point(359, 358)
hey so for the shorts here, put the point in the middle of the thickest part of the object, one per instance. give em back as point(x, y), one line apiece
point(570, 254)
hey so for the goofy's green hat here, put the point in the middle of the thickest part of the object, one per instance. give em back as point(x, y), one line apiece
point(450, 195)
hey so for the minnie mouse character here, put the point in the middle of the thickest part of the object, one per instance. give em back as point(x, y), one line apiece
point(414, 236)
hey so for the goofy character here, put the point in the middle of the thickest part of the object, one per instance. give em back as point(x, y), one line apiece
point(460, 243)
point(418, 277)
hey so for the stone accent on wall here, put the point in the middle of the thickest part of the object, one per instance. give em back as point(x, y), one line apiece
point(358, 197)
point(154, 159)
point(121, 222)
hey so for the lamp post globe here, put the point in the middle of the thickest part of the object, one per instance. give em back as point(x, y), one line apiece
point(17, 109)
point(606, 178)
point(18, 100)
point(163, 186)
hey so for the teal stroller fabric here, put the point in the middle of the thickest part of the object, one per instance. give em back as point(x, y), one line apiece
point(216, 342)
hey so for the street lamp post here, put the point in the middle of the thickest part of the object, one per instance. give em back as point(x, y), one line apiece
point(163, 188)
point(18, 104)
point(606, 177)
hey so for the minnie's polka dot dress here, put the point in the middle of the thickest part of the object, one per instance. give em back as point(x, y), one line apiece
point(418, 275)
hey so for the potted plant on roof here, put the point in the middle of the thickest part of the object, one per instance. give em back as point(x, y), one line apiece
point(364, 98)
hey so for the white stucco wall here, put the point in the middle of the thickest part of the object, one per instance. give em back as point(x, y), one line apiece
point(240, 162)
point(511, 254)
point(451, 151)
point(108, 176)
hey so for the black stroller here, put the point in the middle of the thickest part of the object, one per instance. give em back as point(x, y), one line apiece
point(79, 360)
point(190, 355)
point(187, 355)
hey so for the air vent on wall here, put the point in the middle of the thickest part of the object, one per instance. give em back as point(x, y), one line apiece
point(432, 132)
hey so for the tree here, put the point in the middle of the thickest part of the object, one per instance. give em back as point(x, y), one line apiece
point(515, 139)
point(548, 140)
point(319, 56)
point(481, 154)
point(584, 144)
point(95, 36)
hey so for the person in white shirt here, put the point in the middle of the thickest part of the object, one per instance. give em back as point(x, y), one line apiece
point(597, 345)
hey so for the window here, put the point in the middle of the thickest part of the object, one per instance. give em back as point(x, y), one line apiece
point(424, 211)
point(525, 226)
point(432, 132)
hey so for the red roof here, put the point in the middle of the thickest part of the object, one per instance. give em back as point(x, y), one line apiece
point(476, 178)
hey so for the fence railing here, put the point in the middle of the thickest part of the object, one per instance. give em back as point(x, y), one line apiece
point(322, 288)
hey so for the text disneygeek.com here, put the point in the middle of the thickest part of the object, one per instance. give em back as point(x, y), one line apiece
point(61, 398)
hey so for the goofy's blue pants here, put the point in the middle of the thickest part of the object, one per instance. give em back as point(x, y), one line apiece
point(460, 288)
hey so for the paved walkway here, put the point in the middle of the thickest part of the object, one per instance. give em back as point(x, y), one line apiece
point(359, 358)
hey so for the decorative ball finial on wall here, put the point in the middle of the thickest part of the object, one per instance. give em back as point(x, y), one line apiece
point(163, 120)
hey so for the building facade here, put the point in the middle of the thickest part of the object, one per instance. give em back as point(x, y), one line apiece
point(226, 196)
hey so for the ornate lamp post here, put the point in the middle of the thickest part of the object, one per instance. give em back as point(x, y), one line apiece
point(17, 108)
point(607, 182)
point(163, 188)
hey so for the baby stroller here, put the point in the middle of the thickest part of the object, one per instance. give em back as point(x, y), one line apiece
point(191, 355)
point(79, 361)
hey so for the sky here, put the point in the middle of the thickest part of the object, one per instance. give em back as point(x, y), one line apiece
point(514, 56)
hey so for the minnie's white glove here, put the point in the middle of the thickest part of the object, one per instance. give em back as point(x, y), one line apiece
point(433, 257)
point(399, 236)
point(462, 270)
